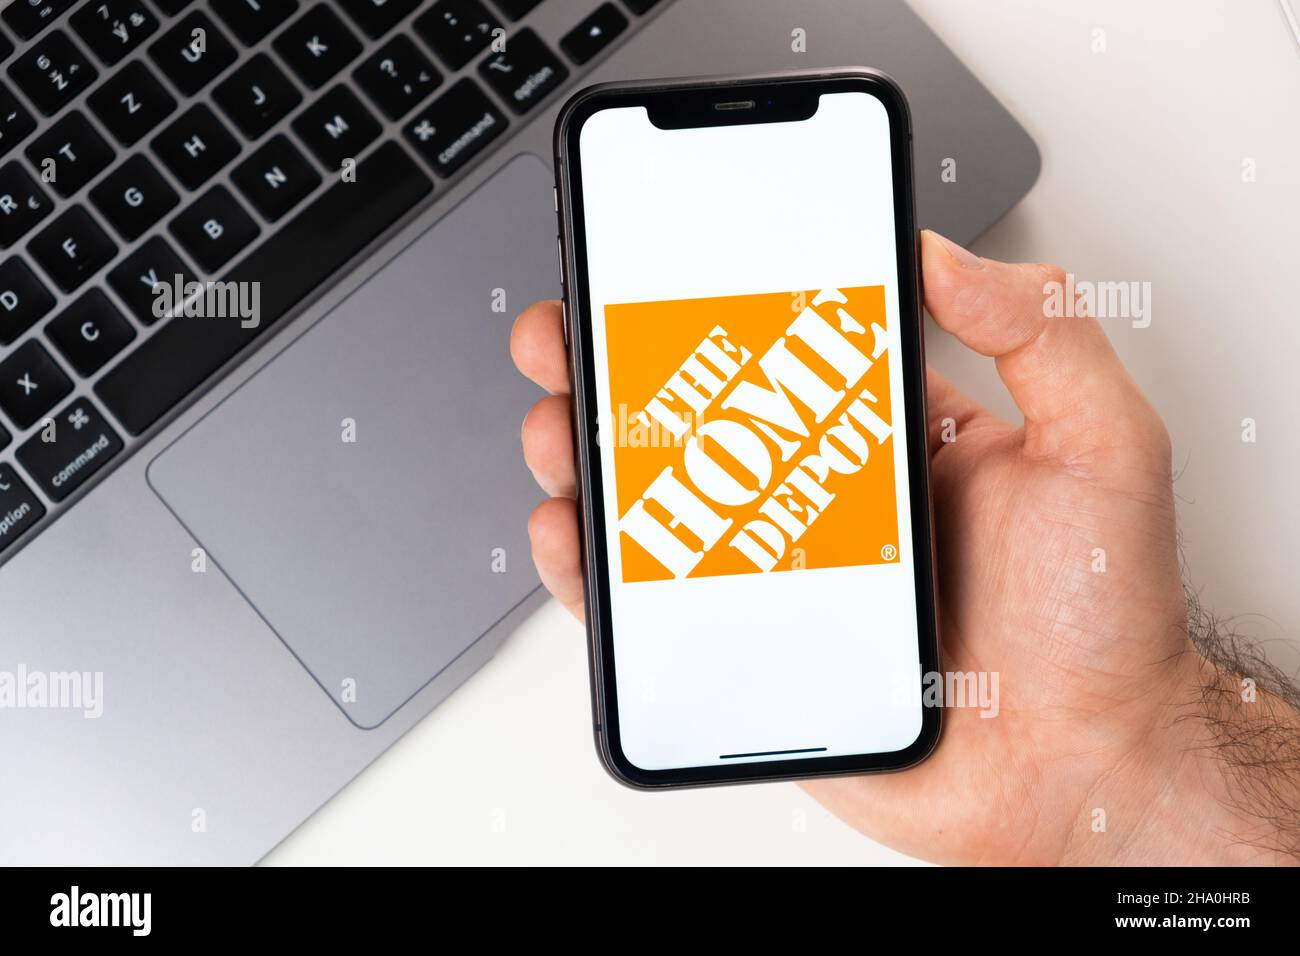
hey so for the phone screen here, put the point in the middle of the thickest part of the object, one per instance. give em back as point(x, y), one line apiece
point(744, 305)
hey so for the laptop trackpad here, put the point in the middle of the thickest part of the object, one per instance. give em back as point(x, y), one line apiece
point(379, 552)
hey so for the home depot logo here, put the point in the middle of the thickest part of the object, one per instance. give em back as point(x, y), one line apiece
point(783, 466)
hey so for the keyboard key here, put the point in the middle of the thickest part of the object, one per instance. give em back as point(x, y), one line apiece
point(52, 72)
point(257, 96)
point(19, 507)
point(454, 127)
point(5, 49)
point(171, 6)
point(83, 444)
point(30, 384)
point(253, 19)
point(594, 33)
point(317, 46)
point(23, 299)
point(640, 6)
point(515, 9)
point(397, 76)
point(15, 121)
point(525, 72)
point(377, 17)
point(192, 53)
point(71, 248)
point(137, 277)
point(307, 250)
point(214, 228)
point(275, 177)
point(22, 203)
point(90, 332)
point(70, 154)
point(131, 103)
point(27, 18)
point(133, 197)
point(456, 30)
point(113, 28)
point(195, 146)
point(5, 438)
point(336, 127)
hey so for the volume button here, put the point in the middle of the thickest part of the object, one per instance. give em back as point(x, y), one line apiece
point(564, 320)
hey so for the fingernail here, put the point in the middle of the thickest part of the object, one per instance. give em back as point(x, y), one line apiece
point(964, 257)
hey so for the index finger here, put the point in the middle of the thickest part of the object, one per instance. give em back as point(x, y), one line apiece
point(537, 346)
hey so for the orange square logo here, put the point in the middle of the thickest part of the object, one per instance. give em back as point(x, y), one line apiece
point(752, 433)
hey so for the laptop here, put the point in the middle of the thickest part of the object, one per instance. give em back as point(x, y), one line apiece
point(262, 506)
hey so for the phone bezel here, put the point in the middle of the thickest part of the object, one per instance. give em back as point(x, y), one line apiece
point(689, 102)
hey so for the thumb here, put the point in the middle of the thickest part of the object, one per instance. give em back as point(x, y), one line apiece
point(1062, 372)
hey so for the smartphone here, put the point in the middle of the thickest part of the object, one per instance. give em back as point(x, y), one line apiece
point(741, 308)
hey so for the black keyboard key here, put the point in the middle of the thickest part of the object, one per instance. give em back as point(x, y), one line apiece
point(131, 103)
point(594, 33)
point(19, 507)
point(5, 49)
point(137, 278)
point(257, 96)
point(525, 72)
point(70, 154)
point(640, 6)
point(317, 46)
point(253, 19)
point(22, 203)
point(5, 438)
point(71, 248)
point(377, 17)
point(15, 121)
point(133, 197)
point(192, 53)
point(195, 146)
point(397, 76)
point(515, 9)
point(82, 444)
point(309, 248)
point(214, 228)
point(90, 332)
point(456, 30)
point(275, 177)
point(23, 299)
point(52, 72)
point(113, 28)
point(336, 127)
point(27, 18)
point(31, 382)
point(454, 127)
point(171, 6)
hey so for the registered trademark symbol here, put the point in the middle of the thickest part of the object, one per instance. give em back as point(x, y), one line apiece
point(889, 552)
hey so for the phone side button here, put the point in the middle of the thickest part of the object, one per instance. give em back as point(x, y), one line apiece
point(564, 320)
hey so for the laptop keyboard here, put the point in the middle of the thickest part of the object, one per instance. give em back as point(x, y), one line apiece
point(142, 140)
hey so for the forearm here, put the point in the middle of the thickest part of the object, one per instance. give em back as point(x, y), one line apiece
point(1218, 782)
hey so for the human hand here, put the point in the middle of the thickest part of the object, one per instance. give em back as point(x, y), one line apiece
point(1095, 667)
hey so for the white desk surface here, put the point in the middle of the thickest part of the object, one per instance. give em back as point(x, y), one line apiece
point(1142, 147)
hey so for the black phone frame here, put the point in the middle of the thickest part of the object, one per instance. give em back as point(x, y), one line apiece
point(688, 102)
